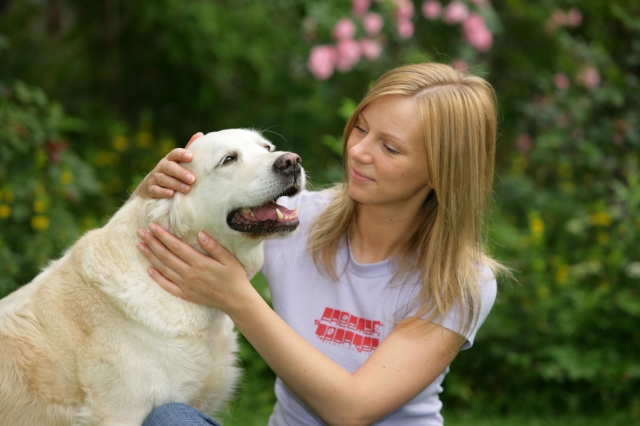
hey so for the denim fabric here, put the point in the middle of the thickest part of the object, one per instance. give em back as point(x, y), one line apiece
point(177, 414)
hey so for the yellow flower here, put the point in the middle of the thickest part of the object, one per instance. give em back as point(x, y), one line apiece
point(8, 195)
point(600, 219)
point(565, 171)
point(603, 238)
point(536, 225)
point(39, 223)
point(38, 206)
point(543, 292)
point(66, 177)
point(145, 139)
point(5, 211)
point(166, 146)
point(107, 158)
point(120, 143)
point(519, 164)
point(562, 274)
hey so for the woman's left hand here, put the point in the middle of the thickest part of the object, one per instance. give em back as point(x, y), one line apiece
point(215, 281)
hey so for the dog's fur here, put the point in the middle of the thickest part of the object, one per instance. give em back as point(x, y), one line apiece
point(93, 340)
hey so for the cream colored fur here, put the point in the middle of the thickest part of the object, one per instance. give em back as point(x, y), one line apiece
point(93, 340)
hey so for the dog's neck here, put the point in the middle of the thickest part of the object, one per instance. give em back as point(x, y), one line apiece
point(248, 251)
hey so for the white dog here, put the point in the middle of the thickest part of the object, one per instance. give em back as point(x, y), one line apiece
point(93, 340)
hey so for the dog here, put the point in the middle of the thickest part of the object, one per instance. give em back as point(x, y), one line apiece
point(93, 340)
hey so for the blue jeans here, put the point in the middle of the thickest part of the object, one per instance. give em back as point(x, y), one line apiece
point(177, 414)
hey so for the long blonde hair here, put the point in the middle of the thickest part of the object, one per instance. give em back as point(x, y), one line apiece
point(459, 117)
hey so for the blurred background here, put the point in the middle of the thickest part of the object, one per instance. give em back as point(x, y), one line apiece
point(94, 93)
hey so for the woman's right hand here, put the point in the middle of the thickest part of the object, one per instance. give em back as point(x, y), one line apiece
point(168, 176)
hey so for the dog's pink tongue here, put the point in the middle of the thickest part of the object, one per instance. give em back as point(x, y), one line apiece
point(268, 212)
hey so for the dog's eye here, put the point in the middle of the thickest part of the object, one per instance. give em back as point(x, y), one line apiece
point(229, 159)
point(268, 148)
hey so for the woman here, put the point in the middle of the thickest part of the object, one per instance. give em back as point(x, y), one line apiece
point(387, 278)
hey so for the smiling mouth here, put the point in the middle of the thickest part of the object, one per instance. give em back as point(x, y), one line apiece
point(266, 219)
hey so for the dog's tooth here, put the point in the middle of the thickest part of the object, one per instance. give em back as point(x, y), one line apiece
point(279, 213)
point(297, 210)
point(246, 210)
point(252, 214)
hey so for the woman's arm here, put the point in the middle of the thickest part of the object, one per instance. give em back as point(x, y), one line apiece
point(404, 364)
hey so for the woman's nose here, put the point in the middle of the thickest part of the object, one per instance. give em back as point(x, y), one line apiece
point(361, 151)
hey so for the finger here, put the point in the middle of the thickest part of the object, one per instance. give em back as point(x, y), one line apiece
point(167, 258)
point(169, 182)
point(164, 282)
point(182, 254)
point(158, 264)
point(175, 170)
point(215, 250)
point(156, 191)
point(193, 138)
point(179, 155)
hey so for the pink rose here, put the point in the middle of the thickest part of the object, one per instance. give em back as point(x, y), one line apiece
point(431, 9)
point(349, 52)
point(460, 65)
point(322, 61)
point(360, 6)
point(404, 9)
point(589, 77)
point(371, 49)
point(476, 33)
point(372, 23)
point(561, 81)
point(455, 12)
point(559, 17)
point(405, 28)
point(344, 28)
point(574, 17)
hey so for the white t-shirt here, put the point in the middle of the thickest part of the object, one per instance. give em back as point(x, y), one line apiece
point(347, 320)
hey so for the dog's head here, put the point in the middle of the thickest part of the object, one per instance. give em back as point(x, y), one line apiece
point(239, 177)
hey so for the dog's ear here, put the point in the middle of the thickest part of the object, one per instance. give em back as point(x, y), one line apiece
point(173, 214)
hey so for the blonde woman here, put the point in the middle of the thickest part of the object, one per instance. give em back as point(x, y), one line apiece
point(387, 278)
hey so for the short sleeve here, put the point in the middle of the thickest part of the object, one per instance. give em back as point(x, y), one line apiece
point(488, 293)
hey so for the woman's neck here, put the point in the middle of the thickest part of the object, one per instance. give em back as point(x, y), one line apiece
point(379, 232)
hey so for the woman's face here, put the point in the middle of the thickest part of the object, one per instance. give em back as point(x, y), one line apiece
point(387, 160)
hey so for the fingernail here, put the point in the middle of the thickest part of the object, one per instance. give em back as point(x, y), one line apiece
point(150, 270)
point(203, 237)
point(140, 233)
point(140, 246)
point(188, 155)
point(190, 178)
point(185, 188)
point(152, 227)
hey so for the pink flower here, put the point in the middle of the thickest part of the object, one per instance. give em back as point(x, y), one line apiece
point(349, 53)
point(476, 33)
point(344, 28)
point(460, 65)
point(372, 23)
point(322, 61)
point(574, 17)
point(589, 77)
point(360, 6)
point(431, 9)
point(404, 9)
point(559, 17)
point(455, 12)
point(561, 81)
point(371, 49)
point(405, 28)
point(524, 143)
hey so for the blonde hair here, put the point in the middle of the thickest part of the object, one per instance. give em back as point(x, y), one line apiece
point(458, 113)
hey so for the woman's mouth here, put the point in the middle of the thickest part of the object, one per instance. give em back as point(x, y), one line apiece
point(359, 177)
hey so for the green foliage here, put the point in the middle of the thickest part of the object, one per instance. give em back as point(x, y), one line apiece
point(137, 79)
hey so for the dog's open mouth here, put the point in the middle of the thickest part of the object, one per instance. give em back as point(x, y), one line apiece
point(265, 219)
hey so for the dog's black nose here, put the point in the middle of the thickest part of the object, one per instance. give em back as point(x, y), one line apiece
point(287, 164)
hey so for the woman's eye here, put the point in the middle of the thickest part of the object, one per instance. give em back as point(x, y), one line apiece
point(228, 159)
point(360, 129)
point(390, 150)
